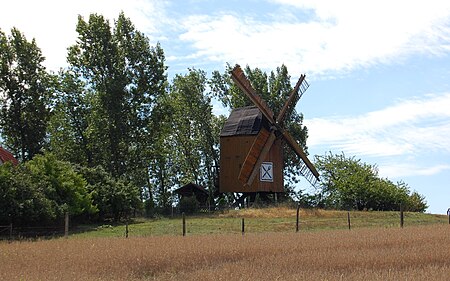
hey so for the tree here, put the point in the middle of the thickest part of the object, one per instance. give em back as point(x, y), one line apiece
point(349, 183)
point(193, 128)
point(69, 124)
point(25, 92)
point(274, 89)
point(186, 149)
point(124, 76)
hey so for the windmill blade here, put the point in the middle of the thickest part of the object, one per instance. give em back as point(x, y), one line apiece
point(242, 82)
point(307, 170)
point(256, 155)
point(300, 85)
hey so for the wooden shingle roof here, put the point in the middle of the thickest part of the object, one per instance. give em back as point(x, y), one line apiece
point(244, 121)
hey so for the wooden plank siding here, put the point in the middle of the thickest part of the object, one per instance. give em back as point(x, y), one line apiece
point(233, 150)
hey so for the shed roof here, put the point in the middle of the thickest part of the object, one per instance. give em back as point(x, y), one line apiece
point(6, 156)
point(190, 188)
point(244, 121)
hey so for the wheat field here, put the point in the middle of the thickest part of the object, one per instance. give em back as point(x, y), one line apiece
point(411, 253)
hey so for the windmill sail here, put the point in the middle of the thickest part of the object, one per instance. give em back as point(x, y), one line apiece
point(242, 82)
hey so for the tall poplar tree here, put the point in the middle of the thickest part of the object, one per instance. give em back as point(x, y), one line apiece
point(25, 92)
point(186, 149)
point(123, 75)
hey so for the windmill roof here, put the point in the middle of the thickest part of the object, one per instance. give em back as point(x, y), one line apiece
point(6, 156)
point(244, 121)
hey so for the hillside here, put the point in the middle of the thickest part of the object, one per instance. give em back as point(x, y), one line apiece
point(280, 219)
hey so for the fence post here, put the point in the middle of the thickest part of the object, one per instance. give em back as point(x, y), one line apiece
point(243, 226)
point(66, 225)
point(448, 214)
point(298, 218)
point(348, 220)
point(10, 231)
point(401, 216)
point(184, 224)
point(126, 229)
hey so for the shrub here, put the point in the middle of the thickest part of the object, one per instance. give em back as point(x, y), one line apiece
point(189, 205)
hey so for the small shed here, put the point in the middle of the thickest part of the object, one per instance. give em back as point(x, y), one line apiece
point(192, 189)
point(6, 156)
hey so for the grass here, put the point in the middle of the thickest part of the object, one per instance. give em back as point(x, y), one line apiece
point(281, 219)
point(376, 253)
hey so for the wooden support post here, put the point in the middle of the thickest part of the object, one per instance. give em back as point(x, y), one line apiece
point(66, 225)
point(243, 226)
point(10, 231)
point(348, 220)
point(184, 224)
point(401, 216)
point(298, 218)
point(126, 228)
point(448, 214)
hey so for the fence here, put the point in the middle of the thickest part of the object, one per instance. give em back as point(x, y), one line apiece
point(296, 222)
point(306, 220)
point(25, 232)
point(6, 230)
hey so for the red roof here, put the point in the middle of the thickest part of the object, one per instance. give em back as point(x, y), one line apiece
point(6, 156)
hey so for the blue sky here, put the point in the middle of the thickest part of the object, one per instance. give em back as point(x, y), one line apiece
point(379, 70)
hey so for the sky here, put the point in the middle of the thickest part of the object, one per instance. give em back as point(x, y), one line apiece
point(379, 71)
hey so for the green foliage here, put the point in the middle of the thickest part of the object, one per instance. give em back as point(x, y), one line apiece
point(188, 205)
point(149, 207)
point(108, 109)
point(22, 202)
point(69, 124)
point(41, 191)
point(348, 183)
point(25, 92)
point(61, 184)
point(115, 77)
point(186, 147)
point(193, 128)
point(114, 198)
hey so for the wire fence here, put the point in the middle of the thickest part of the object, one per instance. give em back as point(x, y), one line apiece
point(29, 232)
point(187, 225)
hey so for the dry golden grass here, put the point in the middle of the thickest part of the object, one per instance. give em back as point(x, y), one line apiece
point(279, 212)
point(412, 253)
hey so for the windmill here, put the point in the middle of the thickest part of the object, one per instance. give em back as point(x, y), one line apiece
point(251, 143)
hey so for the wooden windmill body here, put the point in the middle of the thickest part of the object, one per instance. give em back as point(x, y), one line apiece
point(251, 144)
point(244, 127)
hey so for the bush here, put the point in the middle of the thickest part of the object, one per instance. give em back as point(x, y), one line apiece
point(41, 191)
point(114, 198)
point(349, 183)
point(149, 206)
point(189, 205)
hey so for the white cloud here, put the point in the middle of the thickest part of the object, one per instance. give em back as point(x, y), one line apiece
point(53, 22)
point(396, 170)
point(334, 35)
point(342, 36)
point(405, 128)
